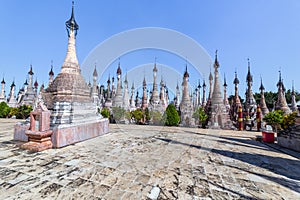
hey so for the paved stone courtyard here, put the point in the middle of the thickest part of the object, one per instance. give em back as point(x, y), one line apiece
point(150, 162)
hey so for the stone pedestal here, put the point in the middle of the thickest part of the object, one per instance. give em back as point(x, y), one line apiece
point(38, 140)
point(19, 131)
point(39, 133)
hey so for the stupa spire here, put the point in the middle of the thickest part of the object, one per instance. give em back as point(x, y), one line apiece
point(281, 103)
point(71, 62)
point(293, 103)
point(218, 113)
point(262, 103)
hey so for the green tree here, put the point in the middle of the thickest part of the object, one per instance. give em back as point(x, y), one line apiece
point(275, 119)
point(128, 115)
point(172, 117)
point(4, 110)
point(147, 114)
point(289, 120)
point(118, 113)
point(200, 115)
point(13, 112)
point(138, 115)
point(105, 112)
point(156, 117)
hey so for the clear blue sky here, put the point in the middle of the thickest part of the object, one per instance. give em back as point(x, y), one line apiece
point(267, 32)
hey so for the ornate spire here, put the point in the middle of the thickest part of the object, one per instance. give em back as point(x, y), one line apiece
point(262, 103)
point(281, 103)
point(51, 73)
point(13, 84)
point(236, 80)
point(293, 103)
point(225, 84)
point(3, 82)
point(71, 24)
point(95, 74)
point(119, 71)
point(30, 71)
point(36, 84)
point(186, 74)
point(249, 76)
point(70, 64)
point(216, 65)
point(261, 85)
point(154, 68)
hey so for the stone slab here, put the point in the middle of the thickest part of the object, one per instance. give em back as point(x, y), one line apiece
point(64, 135)
point(289, 142)
point(19, 131)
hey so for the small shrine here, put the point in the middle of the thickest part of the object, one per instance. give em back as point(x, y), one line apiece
point(39, 133)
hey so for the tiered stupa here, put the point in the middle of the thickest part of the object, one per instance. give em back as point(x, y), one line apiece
point(236, 102)
point(154, 100)
point(74, 116)
point(126, 102)
point(12, 102)
point(2, 94)
point(281, 103)
point(250, 103)
point(294, 107)
point(225, 100)
point(185, 105)
point(263, 106)
point(118, 98)
point(218, 115)
point(204, 94)
point(144, 98)
point(30, 94)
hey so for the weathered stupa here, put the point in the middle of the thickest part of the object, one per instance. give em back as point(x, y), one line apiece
point(263, 106)
point(281, 103)
point(186, 105)
point(74, 116)
point(218, 115)
point(250, 103)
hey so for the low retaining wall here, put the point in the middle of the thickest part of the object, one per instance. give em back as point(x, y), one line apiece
point(64, 135)
point(290, 138)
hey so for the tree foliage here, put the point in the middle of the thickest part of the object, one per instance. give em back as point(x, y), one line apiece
point(4, 110)
point(275, 119)
point(105, 112)
point(171, 116)
point(200, 115)
point(138, 115)
point(156, 117)
point(118, 113)
point(278, 120)
point(289, 120)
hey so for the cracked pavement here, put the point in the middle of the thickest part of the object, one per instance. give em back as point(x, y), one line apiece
point(150, 162)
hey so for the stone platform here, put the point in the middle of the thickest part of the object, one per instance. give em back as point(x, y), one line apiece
point(67, 134)
point(150, 162)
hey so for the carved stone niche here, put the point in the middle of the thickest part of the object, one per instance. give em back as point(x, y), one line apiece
point(39, 133)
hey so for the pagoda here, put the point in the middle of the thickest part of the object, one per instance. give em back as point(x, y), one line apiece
point(218, 114)
point(263, 106)
point(186, 108)
point(281, 103)
point(74, 116)
point(2, 94)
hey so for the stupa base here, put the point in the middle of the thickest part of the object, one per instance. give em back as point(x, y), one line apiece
point(67, 134)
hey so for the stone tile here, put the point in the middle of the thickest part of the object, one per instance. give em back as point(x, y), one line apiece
point(185, 163)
